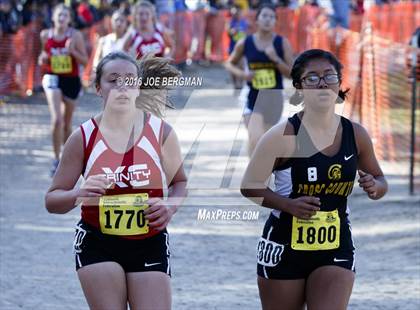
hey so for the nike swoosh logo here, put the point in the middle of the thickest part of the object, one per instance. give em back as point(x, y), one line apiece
point(347, 158)
point(148, 265)
point(340, 260)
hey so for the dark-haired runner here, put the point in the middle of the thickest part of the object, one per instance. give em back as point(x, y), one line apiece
point(306, 252)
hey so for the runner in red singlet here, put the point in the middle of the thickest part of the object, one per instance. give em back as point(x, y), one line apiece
point(131, 162)
point(63, 52)
point(147, 36)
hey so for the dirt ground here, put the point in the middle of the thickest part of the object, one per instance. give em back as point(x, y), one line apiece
point(213, 261)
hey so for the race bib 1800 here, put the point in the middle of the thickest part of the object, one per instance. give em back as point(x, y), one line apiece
point(320, 232)
point(264, 78)
point(61, 64)
point(123, 215)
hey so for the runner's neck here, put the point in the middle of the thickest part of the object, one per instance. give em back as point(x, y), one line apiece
point(264, 36)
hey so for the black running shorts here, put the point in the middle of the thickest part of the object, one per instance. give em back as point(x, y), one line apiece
point(150, 254)
point(277, 260)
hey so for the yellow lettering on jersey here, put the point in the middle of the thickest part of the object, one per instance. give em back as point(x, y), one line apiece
point(300, 188)
point(338, 187)
point(331, 188)
point(319, 188)
point(343, 189)
point(61, 64)
point(320, 232)
point(349, 189)
point(123, 215)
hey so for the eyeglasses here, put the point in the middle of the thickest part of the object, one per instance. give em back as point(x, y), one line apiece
point(314, 80)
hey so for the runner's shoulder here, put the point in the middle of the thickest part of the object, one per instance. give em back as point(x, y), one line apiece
point(76, 34)
point(44, 34)
point(280, 139)
point(76, 138)
point(361, 136)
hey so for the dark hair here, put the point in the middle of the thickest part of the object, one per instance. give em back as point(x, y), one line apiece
point(265, 6)
point(299, 66)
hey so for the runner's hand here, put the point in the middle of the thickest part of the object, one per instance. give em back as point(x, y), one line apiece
point(368, 183)
point(158, 213)
point(304, 207)
point(95, 186)
point(43, 58)
point(271, 53)
point(248, 76)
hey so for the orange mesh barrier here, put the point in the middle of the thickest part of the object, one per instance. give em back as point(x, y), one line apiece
point(377, 71)
point(395, 21)
point(19, 72)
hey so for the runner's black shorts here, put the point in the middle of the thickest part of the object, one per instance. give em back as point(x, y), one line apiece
point(279, 261)
point(70, 86)
point(151, 254)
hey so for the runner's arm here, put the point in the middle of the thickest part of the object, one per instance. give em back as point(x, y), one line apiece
point(98, 53)
point(283, 65)
point(43, 56)
point(173, 168)
point(371, 179)
point(232, 62)
point(62, 195)
point(79, 50)
point(169, 42)
point(254, 182)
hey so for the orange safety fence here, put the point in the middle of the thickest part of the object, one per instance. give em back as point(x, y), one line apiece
point(19, 71)
point(378, 73)
point(202, 35)
point(395, 21)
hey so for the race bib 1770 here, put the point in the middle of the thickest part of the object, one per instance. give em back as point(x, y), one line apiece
point(320, 232)
point(123, 215)
point(61, 64)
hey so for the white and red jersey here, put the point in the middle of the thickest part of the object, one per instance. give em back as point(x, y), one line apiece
point(155, 45)
point(66, 64)
point(139, 170)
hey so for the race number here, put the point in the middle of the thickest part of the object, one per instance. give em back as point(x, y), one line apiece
point(61, 64)
point(123, 215)
point(320, 232)
point(269, 252)
point(264, 78)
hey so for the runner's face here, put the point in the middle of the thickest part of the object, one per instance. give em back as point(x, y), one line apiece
point(144, 17)
point(320, 93)
point(61, 18)
point(118, 84)
point(119, 23)
point(266, 20)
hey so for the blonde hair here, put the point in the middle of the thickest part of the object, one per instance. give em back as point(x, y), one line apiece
point(62, 6)
point(143, 4)
point(153, 98)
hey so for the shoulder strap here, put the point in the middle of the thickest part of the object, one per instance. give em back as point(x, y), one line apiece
point(89, 131)
point(348, 134)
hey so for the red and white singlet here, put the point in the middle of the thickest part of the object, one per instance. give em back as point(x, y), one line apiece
point(60, 62)
point(154, 45)
point(134, 173)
